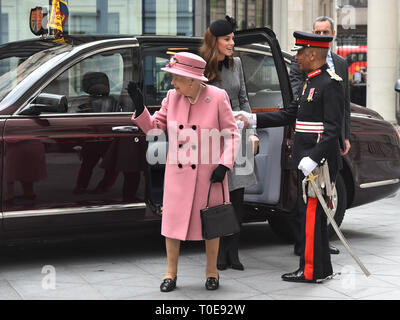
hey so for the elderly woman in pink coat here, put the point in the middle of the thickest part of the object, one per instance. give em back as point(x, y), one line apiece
point(203, 141)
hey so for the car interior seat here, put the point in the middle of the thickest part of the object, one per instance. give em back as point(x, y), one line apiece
point(97, 85)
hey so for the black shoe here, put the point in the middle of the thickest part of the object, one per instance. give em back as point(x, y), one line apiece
point(297, 276)
point(168, 284)
point(333, 250)
point(237, 266)
point(222, 266)
point(212, 283)
point(233, 258)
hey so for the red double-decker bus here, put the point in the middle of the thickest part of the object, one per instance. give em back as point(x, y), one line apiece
point(356, 57)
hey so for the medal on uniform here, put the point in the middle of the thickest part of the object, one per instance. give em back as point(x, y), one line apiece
point(311, 94)
point(304, 88)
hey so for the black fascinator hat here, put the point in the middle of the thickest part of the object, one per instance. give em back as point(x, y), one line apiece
point(223, 27)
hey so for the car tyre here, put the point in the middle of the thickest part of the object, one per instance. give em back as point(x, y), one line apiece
point(340, 201)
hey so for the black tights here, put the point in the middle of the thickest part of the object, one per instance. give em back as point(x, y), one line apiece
point(228, 247)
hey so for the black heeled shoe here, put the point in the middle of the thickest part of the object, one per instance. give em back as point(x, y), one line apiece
point(212, 283)
point(237, 265)
point(168, 284)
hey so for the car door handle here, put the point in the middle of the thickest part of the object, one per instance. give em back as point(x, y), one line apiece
point(125, 129)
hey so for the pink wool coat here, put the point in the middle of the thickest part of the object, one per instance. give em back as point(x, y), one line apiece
point(192, 156)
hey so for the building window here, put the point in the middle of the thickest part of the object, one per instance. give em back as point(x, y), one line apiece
point(353, 3)
point(248, 13)
point(3, 27)
point(149, 17)
point(168, 17)
point(104, 17)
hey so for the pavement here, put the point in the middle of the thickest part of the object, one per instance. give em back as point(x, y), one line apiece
point(131, 266)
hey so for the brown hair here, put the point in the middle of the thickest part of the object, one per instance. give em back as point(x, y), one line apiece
point(209, 52)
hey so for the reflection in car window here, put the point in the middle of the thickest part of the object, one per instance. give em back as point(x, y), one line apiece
point(261, 78)
point(95, 84)
point(14, 69)
point(157, 82)
point(260, 73)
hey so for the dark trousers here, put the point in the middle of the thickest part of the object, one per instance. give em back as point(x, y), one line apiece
point(315, 259)
point(236, 197)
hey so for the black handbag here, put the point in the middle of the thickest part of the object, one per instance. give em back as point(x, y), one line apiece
point(218, 221)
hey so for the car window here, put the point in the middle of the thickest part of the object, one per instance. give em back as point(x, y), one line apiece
point(95, 84)
point(156, 82)
point(17, 65)
point(261, 77)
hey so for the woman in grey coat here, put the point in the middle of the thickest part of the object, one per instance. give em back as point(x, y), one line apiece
point(225, 71)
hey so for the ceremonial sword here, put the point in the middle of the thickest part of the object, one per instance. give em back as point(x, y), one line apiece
point(311, 178)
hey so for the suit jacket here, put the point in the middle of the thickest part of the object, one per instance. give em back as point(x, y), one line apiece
point(297, 78)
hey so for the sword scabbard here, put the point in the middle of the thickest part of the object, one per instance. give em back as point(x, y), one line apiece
point(336, 228)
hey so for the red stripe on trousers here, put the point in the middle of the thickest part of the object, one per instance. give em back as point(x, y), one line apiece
point(309, 249)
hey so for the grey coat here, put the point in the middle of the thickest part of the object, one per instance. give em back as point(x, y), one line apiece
point(232, 81)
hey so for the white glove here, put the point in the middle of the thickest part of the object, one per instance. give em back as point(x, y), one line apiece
point(240, 124)
point(250, 117)
point(307, 165)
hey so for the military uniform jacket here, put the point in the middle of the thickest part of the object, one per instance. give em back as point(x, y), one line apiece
point(318, 114)
point(297, 78)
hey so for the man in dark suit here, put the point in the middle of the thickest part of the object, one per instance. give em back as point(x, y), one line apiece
point(325, 26)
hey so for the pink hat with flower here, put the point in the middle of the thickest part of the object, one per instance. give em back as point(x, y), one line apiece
point(187, 64)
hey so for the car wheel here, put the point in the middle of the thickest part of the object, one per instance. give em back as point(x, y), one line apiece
point(339, 201)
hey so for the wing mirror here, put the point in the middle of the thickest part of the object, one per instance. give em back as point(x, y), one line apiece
point(397, 86)
point(46, 103)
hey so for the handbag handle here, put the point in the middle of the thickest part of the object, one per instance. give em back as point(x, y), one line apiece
point(209, 190)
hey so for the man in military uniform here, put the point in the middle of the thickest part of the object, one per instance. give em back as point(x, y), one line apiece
point(318, 114)
point(326, 26)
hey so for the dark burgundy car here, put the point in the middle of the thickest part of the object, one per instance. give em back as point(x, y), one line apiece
point(72, 161)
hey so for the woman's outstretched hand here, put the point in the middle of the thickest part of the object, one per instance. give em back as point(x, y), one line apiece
point(137, 97)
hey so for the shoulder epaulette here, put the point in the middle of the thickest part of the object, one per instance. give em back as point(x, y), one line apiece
point(333, 75)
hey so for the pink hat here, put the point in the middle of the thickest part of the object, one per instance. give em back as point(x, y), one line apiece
point(187, 64)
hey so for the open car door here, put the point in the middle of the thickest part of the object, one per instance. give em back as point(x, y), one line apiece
point(268, 88)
